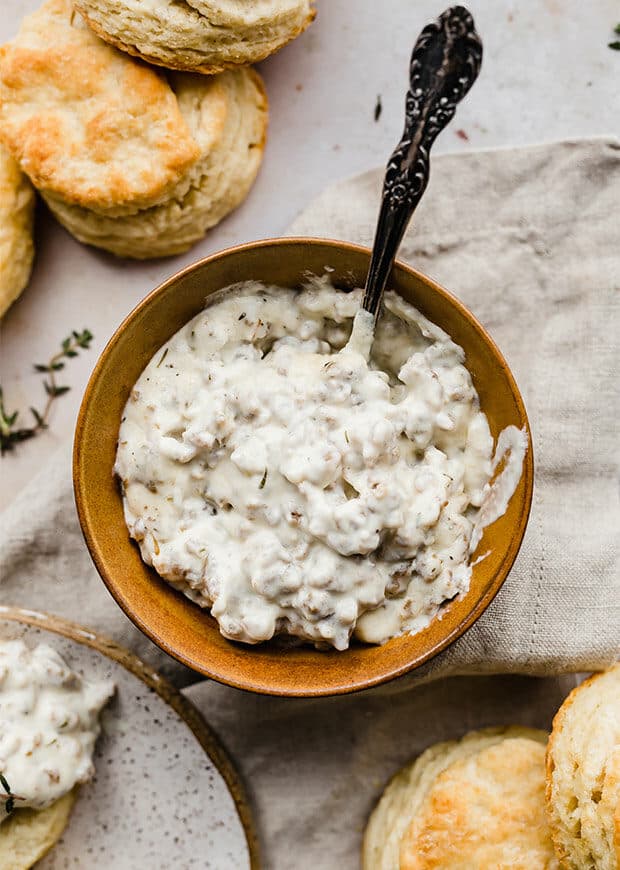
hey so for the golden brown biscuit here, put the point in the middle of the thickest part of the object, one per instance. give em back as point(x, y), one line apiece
point(16, 219)
point(227, 115)
point(205, 36)
point(128, 160)
point(29, 834)
point(583, 775)
point(484, 811)
point(475, 803)
point(87, 123)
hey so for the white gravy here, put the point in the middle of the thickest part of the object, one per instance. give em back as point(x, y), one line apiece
point(282, 472)
point(49, 722)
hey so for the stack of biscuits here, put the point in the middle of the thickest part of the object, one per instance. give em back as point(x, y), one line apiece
point(511, 798)
point(130, 157)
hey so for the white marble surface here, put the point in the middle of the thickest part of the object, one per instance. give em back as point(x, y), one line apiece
point(547, 74)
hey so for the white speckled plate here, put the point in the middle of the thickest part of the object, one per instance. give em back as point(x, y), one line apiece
point(165, 793)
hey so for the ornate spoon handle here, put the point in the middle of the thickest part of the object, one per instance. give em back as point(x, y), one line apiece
point(444, 65)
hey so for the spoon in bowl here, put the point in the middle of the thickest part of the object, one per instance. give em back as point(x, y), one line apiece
point(444, 65)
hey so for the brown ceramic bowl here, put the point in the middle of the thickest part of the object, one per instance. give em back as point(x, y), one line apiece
point(181, 628)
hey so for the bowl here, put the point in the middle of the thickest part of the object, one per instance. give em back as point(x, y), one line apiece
point(174, 623)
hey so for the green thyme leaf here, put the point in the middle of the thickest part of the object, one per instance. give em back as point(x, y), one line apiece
point(39, 419)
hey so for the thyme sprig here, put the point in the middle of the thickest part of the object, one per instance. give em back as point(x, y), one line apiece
point(9, 801)
point(616, 43)
point(11, 433)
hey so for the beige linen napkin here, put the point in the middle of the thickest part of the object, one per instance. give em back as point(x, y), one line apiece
point(528, 238)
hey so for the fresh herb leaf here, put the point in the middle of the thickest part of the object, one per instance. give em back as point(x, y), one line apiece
point(378, 107)
point(10, 436)
point(39, 419)
point(9, 420)
point(9, 802)
point(615, 45)
point(53, 390)
point(83, 339)
point(261, 485)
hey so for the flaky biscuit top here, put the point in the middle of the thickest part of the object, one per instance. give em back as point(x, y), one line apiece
point(87, 123)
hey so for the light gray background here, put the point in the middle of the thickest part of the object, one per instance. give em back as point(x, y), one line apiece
point(547, 74)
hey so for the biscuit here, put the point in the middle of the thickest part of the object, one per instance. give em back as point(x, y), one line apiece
point(16, 220)
point(29, 834)
point(583, 775)
point(86, 123)
point(478, 802)
point(227, 115)
point(203, 36)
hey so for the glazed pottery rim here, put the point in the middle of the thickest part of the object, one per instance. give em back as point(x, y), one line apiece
point(240, 682)
point(209, 741)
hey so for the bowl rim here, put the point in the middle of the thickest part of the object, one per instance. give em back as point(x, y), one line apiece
point(228, 679)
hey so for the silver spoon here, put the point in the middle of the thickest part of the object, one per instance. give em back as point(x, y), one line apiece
point(444, 65)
